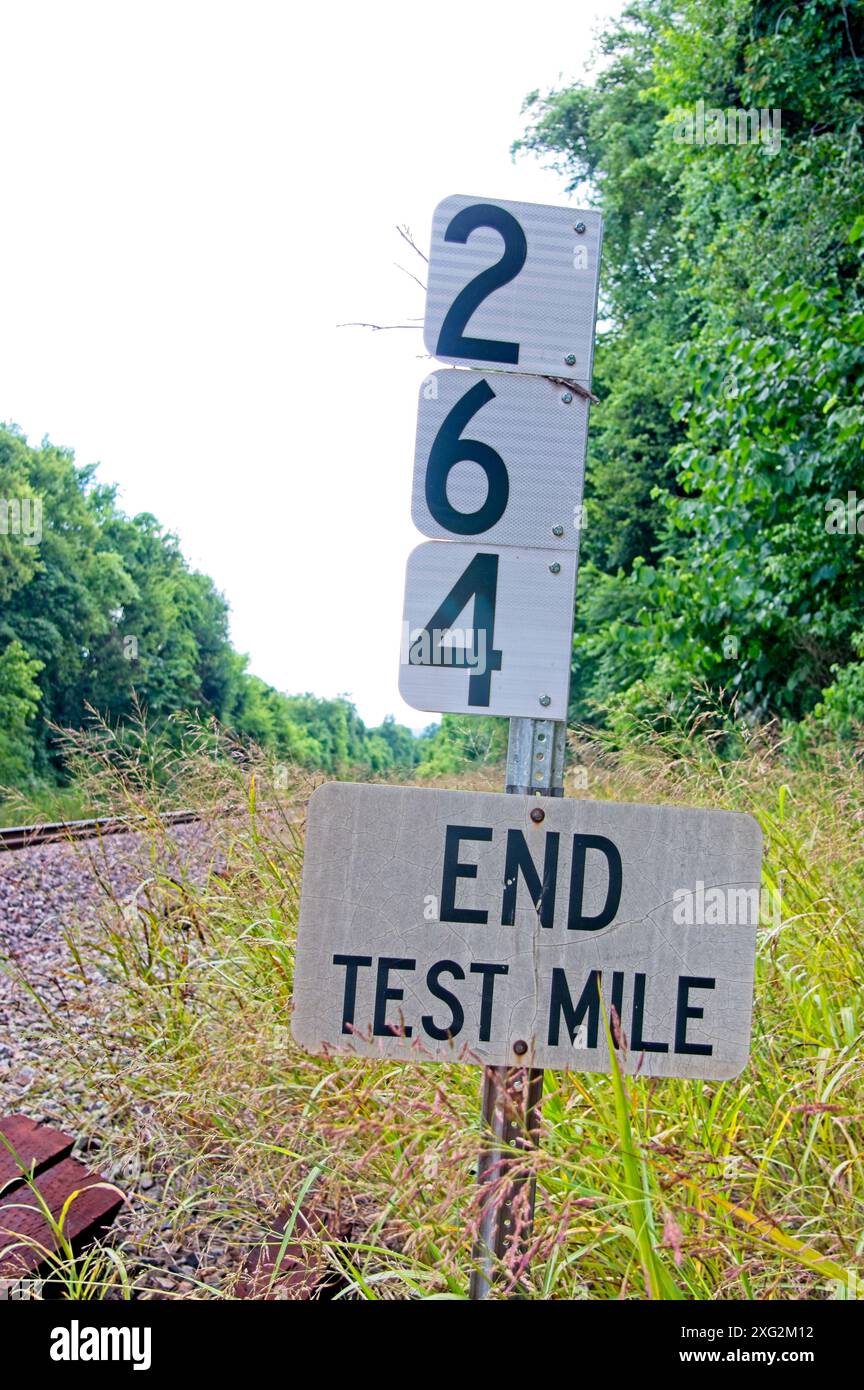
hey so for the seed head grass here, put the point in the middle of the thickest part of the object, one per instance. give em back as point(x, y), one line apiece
point(175, 1050)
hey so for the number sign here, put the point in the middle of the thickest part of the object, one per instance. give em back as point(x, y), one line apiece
point(500, 459)
point(487, 630)
point(513, 286)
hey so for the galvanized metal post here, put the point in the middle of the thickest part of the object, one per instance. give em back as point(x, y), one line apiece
point(512, 1095)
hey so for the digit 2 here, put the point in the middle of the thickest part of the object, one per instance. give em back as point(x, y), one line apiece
point(451, 339)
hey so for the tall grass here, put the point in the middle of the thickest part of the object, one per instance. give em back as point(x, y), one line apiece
point(42, 804)
point(750, 1188)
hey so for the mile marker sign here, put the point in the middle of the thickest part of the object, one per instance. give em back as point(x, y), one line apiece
point(487, 630)
point(499, 458)
point(513, 286)
point(499, 461)
point(444, 926)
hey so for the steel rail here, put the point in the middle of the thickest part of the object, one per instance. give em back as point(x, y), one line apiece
point(24, 836)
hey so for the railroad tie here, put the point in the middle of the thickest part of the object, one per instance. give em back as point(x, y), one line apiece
point(34, 1155)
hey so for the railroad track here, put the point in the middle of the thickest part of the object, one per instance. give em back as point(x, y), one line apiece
point(23, 836)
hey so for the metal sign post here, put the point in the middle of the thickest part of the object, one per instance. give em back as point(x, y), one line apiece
point(481, 929)
point(532, 450)
point(512, 1096)
point(466, 927)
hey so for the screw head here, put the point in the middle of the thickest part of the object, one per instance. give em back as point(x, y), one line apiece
point(545, 700)
point(557, 530)
point(570, 359)
point(538, 814)
point(567, 398)
point(579, 227)
point(555, 568)
point(520, 1047)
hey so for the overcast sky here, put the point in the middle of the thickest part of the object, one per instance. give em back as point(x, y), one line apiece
point(195, 195)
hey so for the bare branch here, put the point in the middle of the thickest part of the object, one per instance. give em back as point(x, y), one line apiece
point(409, 274)
point(377, 327)
point(575, 387)
point(405, 233)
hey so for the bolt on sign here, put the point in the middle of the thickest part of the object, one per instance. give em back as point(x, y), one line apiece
point(499, 460)
point(514, 655)
point(447, 926)
point(513, 286)
point(468, 423)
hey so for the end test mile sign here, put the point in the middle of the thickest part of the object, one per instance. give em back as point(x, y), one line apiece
point(489, 929)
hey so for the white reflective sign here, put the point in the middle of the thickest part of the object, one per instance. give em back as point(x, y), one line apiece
point(487, 630)
point(499, 458)
point(513, 286)
point(450, 926)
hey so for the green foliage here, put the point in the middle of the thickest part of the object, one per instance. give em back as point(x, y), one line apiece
point(773, 449)
point(461, 741)
point(843, 700)
point(731, 362)
point(745, 1189)
point(101, 612)
point(19, 701)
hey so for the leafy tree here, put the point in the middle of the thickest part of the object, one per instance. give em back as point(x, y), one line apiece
point(19, 701)
point(102, 612)
point(460, 741)
point(730, 362)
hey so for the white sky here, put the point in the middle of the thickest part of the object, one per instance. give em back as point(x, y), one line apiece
point(194, 196)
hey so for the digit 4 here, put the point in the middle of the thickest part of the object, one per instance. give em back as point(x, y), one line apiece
point(480, 582)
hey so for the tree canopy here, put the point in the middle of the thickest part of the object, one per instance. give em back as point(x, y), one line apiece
point(730, 360)
point(100, 611)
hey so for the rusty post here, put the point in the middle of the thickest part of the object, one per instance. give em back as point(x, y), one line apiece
point(512, 1094)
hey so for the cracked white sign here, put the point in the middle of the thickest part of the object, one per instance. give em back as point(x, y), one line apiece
point(490, 929)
